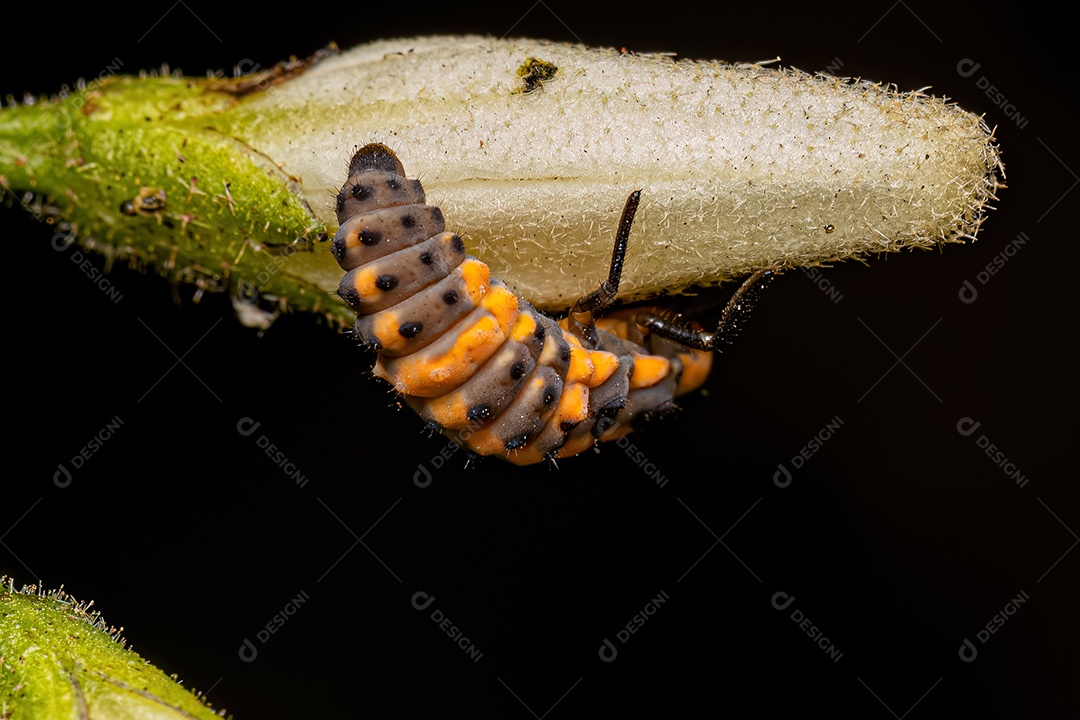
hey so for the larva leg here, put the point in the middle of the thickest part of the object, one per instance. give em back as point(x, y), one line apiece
point(582, 315)
point(735, 313)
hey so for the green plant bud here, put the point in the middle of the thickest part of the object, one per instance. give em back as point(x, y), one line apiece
point(59, 660)
point(529, 147)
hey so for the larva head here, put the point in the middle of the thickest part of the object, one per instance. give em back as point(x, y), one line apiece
point(375, 157)
point(376, 180)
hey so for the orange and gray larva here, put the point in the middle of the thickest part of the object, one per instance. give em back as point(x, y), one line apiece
point(480, 364)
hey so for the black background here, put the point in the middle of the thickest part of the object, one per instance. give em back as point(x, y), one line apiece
point(899, 538)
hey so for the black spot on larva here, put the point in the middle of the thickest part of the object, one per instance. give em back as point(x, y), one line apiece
point(550, 396)
point(568, 425)
point(517, 371)
point(417, 187)
point(337, 248)
point(515, 443)
point(540, 332)
point(603, 424)
point(360, 192)
point(426, 258)
point(613, 408)
point(370, 237)
point(408, 221)
point(605, 416)
point(340, 200)
point(350, 296)
point(535, 72)
point(436, 215)
point(564, 353)
point(450, 297)
point(393, 184)
point(410, 330)
point(478, 413)
point(386, 282)
point(458, 244)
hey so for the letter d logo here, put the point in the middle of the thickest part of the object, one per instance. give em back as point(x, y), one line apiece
point(422, 600)
point(422, 477)
point(245, 426)
point(62, 477)
point(782, 478)
point(782, 601)
point(967, 67)
point(248, 652)
point(966, 426)
point(968, 293)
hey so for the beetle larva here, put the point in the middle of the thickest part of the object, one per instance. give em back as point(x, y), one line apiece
point(479, 363)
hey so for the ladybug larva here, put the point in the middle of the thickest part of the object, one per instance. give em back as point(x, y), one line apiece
point(482, 365)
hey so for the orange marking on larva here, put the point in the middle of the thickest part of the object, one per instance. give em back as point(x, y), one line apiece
point(485, 442)
point(573, 406)
point(364, 284)
point(386, 330)
point(696, 367)
point(616, 432)
point(525, 456)
point(426, 374)
point(524, 326)
point(648, 370)
point(352, 238)
point(576, 446)
point(451, 413)
point(581, 366)
point(604, 366)
point(477, 277)
point(503, 304)
point(614, 325)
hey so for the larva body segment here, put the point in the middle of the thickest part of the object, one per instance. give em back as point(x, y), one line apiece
point(468, 355)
